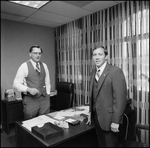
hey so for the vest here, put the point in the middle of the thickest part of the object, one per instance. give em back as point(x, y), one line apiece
point(95, 89)
point(35, 80)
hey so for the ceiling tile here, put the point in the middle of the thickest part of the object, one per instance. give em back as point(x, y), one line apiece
point(78, 3)
point(99, 5)
point(43, 15)
point(55, 13)
point(16, 9)
point(65, 9)
point(12, 17)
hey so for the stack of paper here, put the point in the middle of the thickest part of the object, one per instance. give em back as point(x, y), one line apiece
point(82, 109)
point(37, 121)
point(57, 117)
point(66, 113)
point(74, 111)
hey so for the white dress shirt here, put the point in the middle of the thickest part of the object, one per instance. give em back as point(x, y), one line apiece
point(101, 68)
point(20, 81)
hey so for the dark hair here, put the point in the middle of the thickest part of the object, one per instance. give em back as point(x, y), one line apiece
point(105, 50)
point(35, 46)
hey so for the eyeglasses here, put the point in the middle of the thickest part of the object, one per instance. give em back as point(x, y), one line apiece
point(35, 53)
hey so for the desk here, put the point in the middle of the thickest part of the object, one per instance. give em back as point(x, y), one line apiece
point(76, 136)
point(11, 112)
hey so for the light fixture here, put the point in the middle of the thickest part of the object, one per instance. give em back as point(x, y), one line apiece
point(33, 4)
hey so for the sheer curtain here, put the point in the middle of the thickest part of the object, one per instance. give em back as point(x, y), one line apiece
point(124, 30)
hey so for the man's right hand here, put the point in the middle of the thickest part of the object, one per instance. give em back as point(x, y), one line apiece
point(89, 119)
point(32, 91)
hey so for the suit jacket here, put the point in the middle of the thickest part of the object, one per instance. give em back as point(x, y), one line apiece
point(111, 95)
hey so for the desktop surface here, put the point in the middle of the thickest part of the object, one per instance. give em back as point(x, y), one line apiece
point(79, 135)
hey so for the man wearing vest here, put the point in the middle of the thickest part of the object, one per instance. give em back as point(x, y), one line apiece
point(33, 80)
point(107, 96)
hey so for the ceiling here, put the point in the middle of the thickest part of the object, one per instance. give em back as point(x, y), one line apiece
point(54, 13)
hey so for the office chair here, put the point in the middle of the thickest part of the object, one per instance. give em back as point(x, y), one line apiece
point(139, 127)
point(125, 142)
point(65, 95)
point(137, 142)
point(124, 135)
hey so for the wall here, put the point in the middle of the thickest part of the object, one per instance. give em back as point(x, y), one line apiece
point(16, 39)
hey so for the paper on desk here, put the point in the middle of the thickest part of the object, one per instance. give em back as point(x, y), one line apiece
point(40, 120)
point(63, 124)
point(27, 126)
point(59, 117)
point(74, 111)
point(70, 120)
point(81, 110)
point(66, 113)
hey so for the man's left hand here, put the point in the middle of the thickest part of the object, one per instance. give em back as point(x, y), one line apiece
point(114, 127)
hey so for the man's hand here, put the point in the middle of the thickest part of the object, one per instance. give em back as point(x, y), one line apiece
point(114, 127)
point(32, 91)
point(89, 119)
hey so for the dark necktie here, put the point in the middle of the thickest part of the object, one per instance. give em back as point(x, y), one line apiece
point(37, 68)
point(97, 76)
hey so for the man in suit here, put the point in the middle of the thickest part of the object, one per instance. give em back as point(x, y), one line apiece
point(33, 80)
point(108, 94)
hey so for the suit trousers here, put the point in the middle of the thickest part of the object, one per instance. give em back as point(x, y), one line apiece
point(35, 106)
point(105, 138)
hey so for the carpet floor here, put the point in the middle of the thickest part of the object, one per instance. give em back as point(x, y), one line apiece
point(8, 140)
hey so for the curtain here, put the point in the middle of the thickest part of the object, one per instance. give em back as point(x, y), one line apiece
point(124, 30)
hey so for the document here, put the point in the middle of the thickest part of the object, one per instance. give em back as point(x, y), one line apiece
point(66, 113)
point(38, 121)
point(81, 110)
point(70, 120)
point(59, 117)
point(73, 111)
point(56, 117)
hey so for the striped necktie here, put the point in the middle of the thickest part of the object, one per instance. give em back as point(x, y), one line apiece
point(97, 76)
point(37, 67)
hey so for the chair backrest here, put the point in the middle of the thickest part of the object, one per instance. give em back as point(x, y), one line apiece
point(65, 95)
